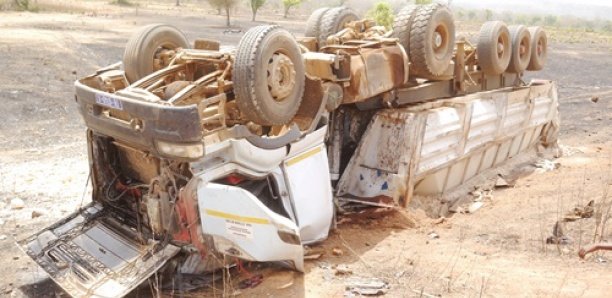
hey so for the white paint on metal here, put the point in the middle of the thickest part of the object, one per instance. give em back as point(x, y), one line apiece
point(253, 232)
point(460, 138)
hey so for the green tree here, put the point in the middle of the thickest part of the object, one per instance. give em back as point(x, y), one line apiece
point(607, 26)
point(382, 13)
point(422, 2)
point(535, 20)
point(224, 5)
point(488, 14)
point(288, 4)
point(255, 5)
point(471, 15)
point(459, 14)
point(550, 20)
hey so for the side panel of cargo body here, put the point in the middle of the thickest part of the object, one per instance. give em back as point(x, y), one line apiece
point(431, 148)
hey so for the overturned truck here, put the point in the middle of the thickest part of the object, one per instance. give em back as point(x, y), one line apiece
point(200, 154)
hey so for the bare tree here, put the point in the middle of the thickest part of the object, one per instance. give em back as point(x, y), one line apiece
point(255, 5)
point(225, 5)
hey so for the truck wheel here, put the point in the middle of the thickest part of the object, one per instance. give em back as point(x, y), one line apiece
point(521, 48)
point(314, 22)
point(333, 21)
point(402, 25)
point(494, 47)
point(539, 51)
point(432, 40)
point(268, 75)
point(150, 49)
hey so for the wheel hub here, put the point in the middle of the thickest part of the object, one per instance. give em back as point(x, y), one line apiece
point(281, 76)
point(500, 48)
point(437, 39)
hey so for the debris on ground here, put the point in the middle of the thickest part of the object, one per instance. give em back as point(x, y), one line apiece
point(501, 182)
point(250, 282)
point(594, 247)
point(185, 282)
point(337, 251)
point(579, 212)
point(17, 203)
point(558, 236)
point(2, 237)
point(312, 254)
point(433, 235)
point(37, 213)
point(545, 165)
point(439, 220)
point(594, 98)
point(367, 286)
point(343, 269)
point(475, 206)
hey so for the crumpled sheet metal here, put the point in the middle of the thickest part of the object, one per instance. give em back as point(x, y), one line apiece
point(431, 148)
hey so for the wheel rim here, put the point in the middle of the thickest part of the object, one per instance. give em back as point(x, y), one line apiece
point(501, 46)
point(540, 47)
point(524, 47)
point(281, 76)
point(440, 41)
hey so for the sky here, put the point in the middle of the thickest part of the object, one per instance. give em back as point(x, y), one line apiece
point(590, 9)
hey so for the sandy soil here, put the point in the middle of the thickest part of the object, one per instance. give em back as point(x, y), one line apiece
point(498, 251)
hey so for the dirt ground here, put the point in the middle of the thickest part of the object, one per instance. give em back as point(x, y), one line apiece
point(500, 250)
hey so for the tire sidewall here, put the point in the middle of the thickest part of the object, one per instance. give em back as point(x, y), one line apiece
point(278, 41)
point(440, 64)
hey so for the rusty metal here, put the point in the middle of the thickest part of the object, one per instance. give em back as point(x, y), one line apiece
point(594, 247)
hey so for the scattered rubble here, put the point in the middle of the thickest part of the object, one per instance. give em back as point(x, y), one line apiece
point(545, 165)
point(433, 235)
point(580, 212)
point(337, 252)
point(475, 206)
point(38, 213)
point(501, 182)
point(558, 236)
point(343, 269)
point(367, 286)
point(251, 282)
point(594, 247)
point(17, 204)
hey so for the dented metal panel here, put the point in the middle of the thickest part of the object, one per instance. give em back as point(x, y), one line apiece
point(450, 141)
point(91, 254)
point(375, 71)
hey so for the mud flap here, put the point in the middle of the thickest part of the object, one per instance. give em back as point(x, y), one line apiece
point(242, 226)
point(91, 253)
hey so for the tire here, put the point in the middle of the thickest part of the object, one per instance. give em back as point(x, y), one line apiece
point(494, 47)
point(521, 48)
point(402, 25)
point(333, 21)
point(141, 48)
point(539, 48)
point(431, 56)
point(314, 22)
point(257, 51)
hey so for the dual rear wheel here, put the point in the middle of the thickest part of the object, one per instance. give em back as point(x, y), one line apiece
point(427, 33)
point(514, 49)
